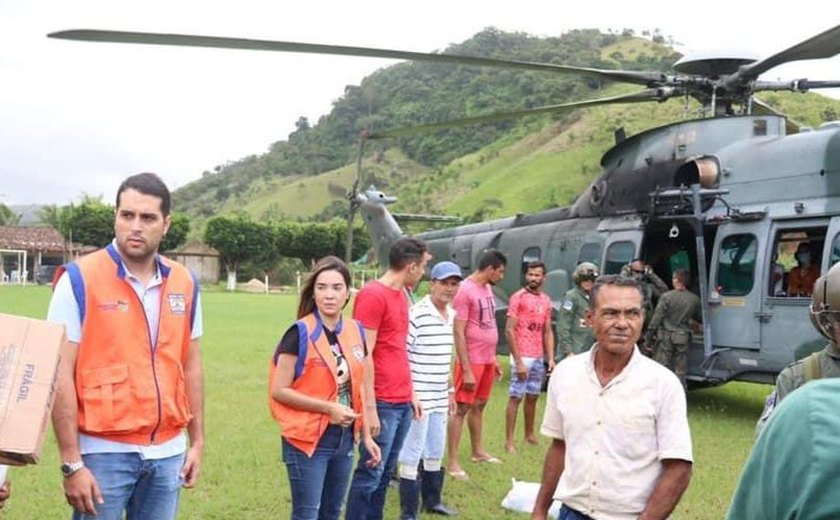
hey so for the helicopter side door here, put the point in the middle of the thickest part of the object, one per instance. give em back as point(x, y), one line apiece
point(736, 287)
point(786, 331)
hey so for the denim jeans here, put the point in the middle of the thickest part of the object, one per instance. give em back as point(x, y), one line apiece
point(319, 482)
point(426, 439)
point(567, 513)
point(142, 488)
point(366, 500)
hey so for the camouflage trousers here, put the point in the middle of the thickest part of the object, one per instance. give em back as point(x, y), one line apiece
point(672, 352)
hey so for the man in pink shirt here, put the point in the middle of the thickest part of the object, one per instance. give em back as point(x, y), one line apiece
point(531, 342)
point(476, 337)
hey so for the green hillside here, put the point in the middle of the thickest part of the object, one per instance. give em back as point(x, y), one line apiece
point(477, 172)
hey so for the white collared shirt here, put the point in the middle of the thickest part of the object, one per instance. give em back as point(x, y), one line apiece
point(616, 435)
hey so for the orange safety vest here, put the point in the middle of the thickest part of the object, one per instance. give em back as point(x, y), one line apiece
point(130, 387)
point(315, 376)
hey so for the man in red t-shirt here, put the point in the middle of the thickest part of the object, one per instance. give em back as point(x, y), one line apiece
point(529, 334)
point(476, 337)
point(382, 308)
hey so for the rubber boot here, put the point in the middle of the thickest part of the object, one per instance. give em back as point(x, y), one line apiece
point(409, 499)
point(431, 485)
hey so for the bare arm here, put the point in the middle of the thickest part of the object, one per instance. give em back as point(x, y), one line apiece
point(548, 342)
point(460, 334)
point(510, 335)
point(81, 489)
point(669, 488)
point(194, 378)
point(555, 463)
point(371, 416)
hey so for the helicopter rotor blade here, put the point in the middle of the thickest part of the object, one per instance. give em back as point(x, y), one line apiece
point(654, 94)
point(648, 78)
point(824, 45)
point(798, 85)
point(337, 191)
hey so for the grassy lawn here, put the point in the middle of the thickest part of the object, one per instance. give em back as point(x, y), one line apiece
point(244, 477)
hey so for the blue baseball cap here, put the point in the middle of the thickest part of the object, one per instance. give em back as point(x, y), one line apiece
point(444, 270)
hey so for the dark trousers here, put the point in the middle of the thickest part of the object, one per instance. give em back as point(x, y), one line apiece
point(567, 513)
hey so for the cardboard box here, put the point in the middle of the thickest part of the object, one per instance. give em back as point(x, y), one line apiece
point(29, 354)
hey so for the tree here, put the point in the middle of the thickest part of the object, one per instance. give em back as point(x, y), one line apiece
point(177, 234)
point(238, 239)
point(7, 216)
point(90, 223)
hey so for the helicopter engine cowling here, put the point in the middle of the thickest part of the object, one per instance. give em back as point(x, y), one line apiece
point(622, 191)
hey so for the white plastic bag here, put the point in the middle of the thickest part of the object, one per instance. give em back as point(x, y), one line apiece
point(523, 495)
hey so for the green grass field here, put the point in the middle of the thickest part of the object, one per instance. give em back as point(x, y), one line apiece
point(243, 476)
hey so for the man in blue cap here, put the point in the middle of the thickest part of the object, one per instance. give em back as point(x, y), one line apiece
point(430, 344)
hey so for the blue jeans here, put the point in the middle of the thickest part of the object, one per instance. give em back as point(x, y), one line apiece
point(141, 488)
point(319, 482)
point(426, 439)
point(366, 500)
point(567, 513)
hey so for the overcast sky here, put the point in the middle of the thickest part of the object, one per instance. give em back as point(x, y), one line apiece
point(78, 117)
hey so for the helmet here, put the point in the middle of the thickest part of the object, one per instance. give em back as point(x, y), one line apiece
point(825, 302)
point(585, 271)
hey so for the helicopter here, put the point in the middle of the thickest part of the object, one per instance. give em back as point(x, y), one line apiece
point(728, 195)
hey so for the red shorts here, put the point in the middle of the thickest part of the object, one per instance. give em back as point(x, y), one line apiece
point(484, 374)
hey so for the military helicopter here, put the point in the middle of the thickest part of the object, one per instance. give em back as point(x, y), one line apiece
point(729, 196)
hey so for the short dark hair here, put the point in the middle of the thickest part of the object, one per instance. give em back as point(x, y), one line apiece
point(536, 264)
point(147, 184)
point(613, 280)
point(406, 251)
point(683, 275)
point(492, 258)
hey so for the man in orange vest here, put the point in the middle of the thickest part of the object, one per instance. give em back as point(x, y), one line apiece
point(130, 376)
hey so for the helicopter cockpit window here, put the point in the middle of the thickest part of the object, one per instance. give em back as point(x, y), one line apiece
point(590, 252)
point(736, 265)
point(532, 254)
point(759, 127)
point(795, 263)
point(619, 254)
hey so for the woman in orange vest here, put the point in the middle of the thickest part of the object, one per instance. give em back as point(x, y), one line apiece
point(317, 394)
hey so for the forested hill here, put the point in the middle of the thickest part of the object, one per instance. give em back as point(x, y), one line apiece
point(408, 94)
point(475, 172)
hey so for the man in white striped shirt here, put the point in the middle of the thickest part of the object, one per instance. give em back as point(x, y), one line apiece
point(430, 344)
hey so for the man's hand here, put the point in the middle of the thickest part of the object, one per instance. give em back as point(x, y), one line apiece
point(82, 491)
point(453, 405)
point(521, 371)
point(373, 449)
point(415, 407)
point(371, 418)
point(192, 466)
point(498, 370)
point(5, 491)
point(469, 379)
point(538, 516)
point(551, 365)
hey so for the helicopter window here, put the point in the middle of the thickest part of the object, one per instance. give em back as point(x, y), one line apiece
point(759, 127)
point(532, 254)
point(835, 251)
point(590, 252)
point(619, 254)
point(736, 264)
point(795, 263)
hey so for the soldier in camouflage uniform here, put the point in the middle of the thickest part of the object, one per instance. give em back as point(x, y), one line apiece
point(573, 332)
point(677, 313)
point(825, 315)
point(652, 288)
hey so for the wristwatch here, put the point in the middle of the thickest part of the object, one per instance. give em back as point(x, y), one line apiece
point(68, 468)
